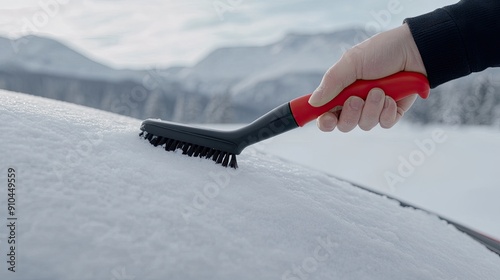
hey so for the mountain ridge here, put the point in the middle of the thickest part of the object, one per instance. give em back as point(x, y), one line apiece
point(33, 53)
point(238, 83)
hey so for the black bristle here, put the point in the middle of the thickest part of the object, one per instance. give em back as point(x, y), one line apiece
point(191, 150)
point(204, 152)
point(162, 141)
point(220, 157)
point(173, 145)
point(216, 155)
point(178, 145)
point(156, 141)
point(198, 150)
point(233, 163)
point(226, 160)
point(185, 148)
point(210, 153)
point(168, 143)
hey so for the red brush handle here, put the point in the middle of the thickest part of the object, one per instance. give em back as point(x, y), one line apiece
point(397, 86)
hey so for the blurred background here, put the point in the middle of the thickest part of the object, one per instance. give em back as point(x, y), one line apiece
point(213, 61)
point(162, 33)
point(229, 61)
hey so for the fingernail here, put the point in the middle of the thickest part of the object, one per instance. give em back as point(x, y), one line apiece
point(316, 97)
point(326, 122)
point(330, 123)
point(387, 100)
point(376, 95)
point(356, 103)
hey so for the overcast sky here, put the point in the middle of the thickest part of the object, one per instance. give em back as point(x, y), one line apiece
point(158, 33)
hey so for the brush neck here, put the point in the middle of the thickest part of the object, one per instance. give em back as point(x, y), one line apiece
point(277, 121)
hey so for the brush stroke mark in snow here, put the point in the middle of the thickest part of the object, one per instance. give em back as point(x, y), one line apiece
point(115, 211)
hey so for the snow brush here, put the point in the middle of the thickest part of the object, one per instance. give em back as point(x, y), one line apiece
point(223, 146)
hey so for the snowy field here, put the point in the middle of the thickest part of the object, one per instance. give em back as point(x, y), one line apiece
point(94, 201)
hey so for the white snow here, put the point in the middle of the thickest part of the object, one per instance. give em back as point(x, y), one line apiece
point(94, 201)
point(456, 177)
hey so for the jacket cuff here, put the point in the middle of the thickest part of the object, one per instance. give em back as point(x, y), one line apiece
point(440, 45)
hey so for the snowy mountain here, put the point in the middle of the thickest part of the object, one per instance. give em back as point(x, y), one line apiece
point(471, 100)
point(293, 53)
point(44, 55)
point(231, 84)
point(94, 201)
point(258, 78)
point(47, 68)
point(44, 67)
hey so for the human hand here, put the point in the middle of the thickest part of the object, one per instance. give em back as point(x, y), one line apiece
point(380, 56)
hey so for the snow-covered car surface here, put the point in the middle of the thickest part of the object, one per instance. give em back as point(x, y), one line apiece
point(94, 201)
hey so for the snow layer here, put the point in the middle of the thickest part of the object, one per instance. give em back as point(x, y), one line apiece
point(456, 177)
point(94, 201)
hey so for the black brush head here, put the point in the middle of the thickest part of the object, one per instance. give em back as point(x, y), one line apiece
point(226, 159)
point(220, 146)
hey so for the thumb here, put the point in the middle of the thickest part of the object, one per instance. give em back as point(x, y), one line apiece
point(339, 76)
point(382, 55)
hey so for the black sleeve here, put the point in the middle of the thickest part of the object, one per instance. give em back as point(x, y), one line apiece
point(457, 40)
